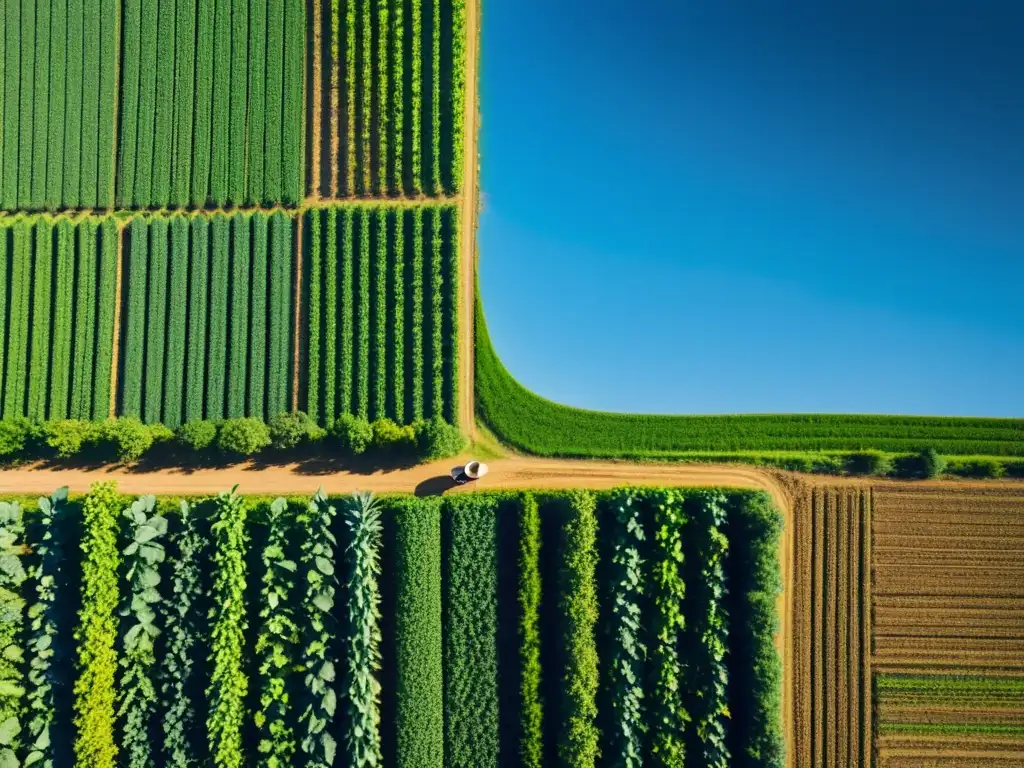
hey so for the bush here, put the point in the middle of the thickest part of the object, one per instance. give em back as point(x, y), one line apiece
point(1014, 468)
point(67, 436)
point(352, 433)
point(290, 430)
point(980, 468)
point(161, 433)
point(437, 439)
point(128, 436)
point(868, 463)
point(245, 436)
point(827, 465)
point(390, 436)
point(197, 435)
point(791, 463)
point(923, 465)
point(16, 433)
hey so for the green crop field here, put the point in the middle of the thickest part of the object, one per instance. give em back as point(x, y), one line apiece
point(531, 423)
point(207, 324)
point(195, 288)
point(382, 312)
point(242, 630)
point(391, 95)
point(57, 300)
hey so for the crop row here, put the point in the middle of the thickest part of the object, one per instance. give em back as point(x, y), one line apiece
point(58, 71)
point(391, 91)
point(831, 628)
point(382, 292)
point(207, 326)
point(389, 630)
point(57, 289)
point(211, 97)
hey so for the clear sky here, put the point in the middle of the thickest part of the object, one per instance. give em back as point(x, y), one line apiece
point(724, 207)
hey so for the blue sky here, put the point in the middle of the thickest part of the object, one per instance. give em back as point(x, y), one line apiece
point(699, 207)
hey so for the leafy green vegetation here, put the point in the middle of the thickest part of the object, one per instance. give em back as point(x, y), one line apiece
point(419, 687)
point(578, 744)
point(276, 644)
point(140, 628)
point(229, 683)
point(362, 663)
point(183, 630)
point(96, 634)
point(530, 423)
point(629, 645)
point(318, 632)
point(12, 616)
point(531, 707)
point(470, 628)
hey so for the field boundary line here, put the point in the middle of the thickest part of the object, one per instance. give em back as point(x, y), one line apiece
point(469, 209)
point(297, 315)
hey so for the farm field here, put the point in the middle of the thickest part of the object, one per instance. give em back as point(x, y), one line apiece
point(381, 302)
point(387, 95)
point(949, 625)
point(207, 326)
point(208, 321)
point(58, 99)
point(831, 628)
point(215, 103)
point(532, 424)
point(57, 299)
point(230, 616)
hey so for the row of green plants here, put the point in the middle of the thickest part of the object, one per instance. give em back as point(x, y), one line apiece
point(57, 289)
point(396, 79)
point(533, 424)
point(127, 439)
point(218, 120)
point(382, 312)
point(398, 631)
point(58, 67)
point(210, 297)
point(207, 320)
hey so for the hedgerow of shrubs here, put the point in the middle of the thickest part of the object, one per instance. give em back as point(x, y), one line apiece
point(127, 439)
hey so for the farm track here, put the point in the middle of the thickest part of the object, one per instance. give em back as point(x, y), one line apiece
point(468, 210)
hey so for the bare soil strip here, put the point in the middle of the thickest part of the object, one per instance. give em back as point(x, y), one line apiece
point(115, 362)
point(467, 221)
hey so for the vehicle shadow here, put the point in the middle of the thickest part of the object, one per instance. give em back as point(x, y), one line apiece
point(434, 486)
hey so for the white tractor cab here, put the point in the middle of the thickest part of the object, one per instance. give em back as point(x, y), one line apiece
point(473, 470)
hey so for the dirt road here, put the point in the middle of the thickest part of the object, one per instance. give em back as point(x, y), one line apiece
point(424, 478)
point(467, 219)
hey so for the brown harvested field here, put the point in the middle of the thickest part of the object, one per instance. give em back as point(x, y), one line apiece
point(831, 628)
point(948, 602)
point(948, 579)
